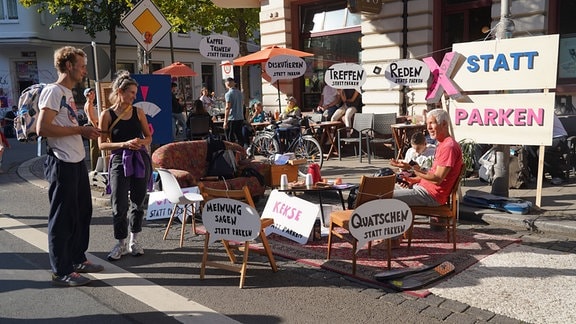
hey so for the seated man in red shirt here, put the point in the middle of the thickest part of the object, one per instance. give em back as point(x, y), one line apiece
point(432, 187)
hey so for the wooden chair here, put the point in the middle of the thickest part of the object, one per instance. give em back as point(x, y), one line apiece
point(175, 195)
point(245, 196)
point(371, 188)
point(447, 213)
point(361, 125)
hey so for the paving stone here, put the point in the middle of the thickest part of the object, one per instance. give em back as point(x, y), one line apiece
point(437, 313)
point(504, 320)
point(454, 306)
point(393, 298)
point(414, 305)
point(479, 313)
point(460, 318)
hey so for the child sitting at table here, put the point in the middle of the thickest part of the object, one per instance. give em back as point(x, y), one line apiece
point(420, 153)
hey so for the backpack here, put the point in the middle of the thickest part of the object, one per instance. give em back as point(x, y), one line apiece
point(519, 170)
point(221, 161)
point(25, 122)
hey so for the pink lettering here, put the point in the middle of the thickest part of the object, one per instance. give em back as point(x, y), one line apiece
point(499, 117)
point(442, 77)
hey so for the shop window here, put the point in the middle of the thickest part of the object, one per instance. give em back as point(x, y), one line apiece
point(8, 10)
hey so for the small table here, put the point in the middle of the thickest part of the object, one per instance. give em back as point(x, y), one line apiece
point(329, 129)
point(259, 125)
point(403, 133)
point(319, 190)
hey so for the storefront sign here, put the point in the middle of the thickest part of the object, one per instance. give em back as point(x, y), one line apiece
point(379, 219)
point(219, 47)
point(229, 219)
point(407, 72)
point(371, 6)
point(293, 217)
point(159, 207)
point(507, 119)
point(283, 67)
point(345, 76)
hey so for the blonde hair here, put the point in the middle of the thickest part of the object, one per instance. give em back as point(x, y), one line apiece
point(66, 54)
point(122, 82)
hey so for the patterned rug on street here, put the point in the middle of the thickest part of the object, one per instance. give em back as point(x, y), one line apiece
point(428, 248)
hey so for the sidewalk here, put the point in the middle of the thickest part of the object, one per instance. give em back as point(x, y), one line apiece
point(557, 214)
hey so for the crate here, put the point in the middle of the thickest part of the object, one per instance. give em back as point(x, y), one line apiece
point(277, 170)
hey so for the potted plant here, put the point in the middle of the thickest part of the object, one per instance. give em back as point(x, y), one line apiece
point(467, 145)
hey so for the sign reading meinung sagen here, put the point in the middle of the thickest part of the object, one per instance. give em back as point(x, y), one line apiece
point(229, 219)
point(379, 219)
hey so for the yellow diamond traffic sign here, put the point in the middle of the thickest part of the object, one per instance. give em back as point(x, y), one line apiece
point(146, 24)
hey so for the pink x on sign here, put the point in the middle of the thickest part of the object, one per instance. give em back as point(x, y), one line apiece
point(441, 74)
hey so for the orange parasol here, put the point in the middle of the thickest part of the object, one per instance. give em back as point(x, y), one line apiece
point(265, 54)
point(176, 70)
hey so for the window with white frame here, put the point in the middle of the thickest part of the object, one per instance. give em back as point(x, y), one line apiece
point(8, 10)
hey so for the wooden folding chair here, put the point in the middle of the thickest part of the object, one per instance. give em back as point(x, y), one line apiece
point(245, 196)
point(447, 214)
point(371, 188)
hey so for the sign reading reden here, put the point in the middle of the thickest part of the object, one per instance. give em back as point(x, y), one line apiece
point(293, 217)
point(379, 219)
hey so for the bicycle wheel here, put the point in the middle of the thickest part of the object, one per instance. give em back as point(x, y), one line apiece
point(264, 144)
point(308, 148)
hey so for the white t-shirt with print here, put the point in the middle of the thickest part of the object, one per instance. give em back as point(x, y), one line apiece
point(66, 148)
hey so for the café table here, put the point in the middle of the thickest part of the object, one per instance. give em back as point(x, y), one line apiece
point(402, 133)
point(328, 129)
point(259, 125)
point(319, 190)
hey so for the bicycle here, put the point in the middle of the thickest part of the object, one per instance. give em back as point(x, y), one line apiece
point(296, 139)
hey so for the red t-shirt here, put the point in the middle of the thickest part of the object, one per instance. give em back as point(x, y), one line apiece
point(448, 154)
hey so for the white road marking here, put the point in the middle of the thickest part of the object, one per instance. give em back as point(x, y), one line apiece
point(145, 291)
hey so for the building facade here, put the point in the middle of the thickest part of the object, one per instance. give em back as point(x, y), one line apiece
point(28, 46)
point(411, 29)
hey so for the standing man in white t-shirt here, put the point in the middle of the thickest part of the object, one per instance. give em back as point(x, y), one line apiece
point(69, 189)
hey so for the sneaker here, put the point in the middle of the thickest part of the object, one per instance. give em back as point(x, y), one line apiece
point(117, 252)
point(136, 249)
point(87, 267)
point(70, 280)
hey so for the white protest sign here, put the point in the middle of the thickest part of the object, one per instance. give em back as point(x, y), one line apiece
point(407, 72)
point(219, 47)
point(229, 219)
point(281, 67)
point(379, 219)
point(293, 217)
point(159, 207)
point(345, 76)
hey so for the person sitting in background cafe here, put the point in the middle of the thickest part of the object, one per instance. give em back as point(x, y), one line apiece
point(330, 101)
point(206, 99)
point(351, 104)
point(292, 109)
point(198, 110)
point(258, 116)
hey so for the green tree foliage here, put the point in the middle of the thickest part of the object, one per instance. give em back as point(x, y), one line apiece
point(203, 17)
point(95, 16)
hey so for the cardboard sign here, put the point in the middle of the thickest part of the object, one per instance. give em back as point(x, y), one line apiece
point(379, 219)
point(346, 76)
point(159, 207)
point(293, 217)
point(407, 72)
point(282, 67)
point(219, 47)
point(229, 219)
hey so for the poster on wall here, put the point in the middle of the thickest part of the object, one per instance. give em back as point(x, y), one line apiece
point(567, 58)
point(155, 98)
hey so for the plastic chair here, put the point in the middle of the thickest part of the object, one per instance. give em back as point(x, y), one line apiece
point(362, 124)
point(175, 195)
point(245, 196)
point(371, 188)
point(381, 132)
point(198, 126)
point(447, 214)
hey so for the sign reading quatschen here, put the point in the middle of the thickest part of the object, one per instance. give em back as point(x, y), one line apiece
point(345, 76)
point(379, 219)
point(229, 219)
point(282, 67)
